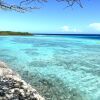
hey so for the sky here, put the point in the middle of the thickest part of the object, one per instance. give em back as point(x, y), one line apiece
point(54, 17)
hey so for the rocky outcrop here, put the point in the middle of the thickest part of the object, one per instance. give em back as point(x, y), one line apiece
point(12, 87)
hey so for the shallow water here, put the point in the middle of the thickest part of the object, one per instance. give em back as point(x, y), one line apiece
point(60, 68)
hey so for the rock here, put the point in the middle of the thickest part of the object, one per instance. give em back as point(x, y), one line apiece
point(2, 92)
point(12, 87)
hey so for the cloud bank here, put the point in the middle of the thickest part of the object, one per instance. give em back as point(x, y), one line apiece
point(95, 26)
point(66, 28)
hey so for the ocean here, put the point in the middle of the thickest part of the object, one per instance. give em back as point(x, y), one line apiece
point(59, 67)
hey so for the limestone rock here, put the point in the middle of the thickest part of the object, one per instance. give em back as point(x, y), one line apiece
point(12, 87)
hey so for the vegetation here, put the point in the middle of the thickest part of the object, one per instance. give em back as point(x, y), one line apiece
point(14, 33)
point(26, 5)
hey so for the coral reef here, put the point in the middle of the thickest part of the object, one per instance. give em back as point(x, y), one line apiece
point(12, 87)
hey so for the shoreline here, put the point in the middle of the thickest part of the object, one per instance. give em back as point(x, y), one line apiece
point(13, 87)
point(12, 33)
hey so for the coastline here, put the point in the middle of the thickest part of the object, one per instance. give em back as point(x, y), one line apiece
point(13, 87)
point(11, 33)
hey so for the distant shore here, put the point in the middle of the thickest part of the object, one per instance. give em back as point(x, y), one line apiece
point(5, 33)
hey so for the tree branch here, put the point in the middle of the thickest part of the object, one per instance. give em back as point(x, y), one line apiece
point(26, 5)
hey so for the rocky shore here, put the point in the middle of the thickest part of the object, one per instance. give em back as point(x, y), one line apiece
point(12, 87)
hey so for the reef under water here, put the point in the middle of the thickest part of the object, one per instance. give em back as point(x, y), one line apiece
point(59, 68)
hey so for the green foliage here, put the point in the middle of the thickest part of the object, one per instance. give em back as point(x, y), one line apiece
point(14, 33)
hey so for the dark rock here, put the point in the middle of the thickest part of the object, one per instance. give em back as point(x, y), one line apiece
point(2, 92)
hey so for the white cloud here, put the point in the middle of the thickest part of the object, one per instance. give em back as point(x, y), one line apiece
point(95, 26)
point(69, 29)
point(65, 28)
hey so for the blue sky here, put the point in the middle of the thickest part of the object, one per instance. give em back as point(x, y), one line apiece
point(53, 18)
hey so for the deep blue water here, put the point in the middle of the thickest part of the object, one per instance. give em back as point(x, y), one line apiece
point(88, 36)
point(59, 67)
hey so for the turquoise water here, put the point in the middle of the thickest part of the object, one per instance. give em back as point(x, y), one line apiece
point(60, 68)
